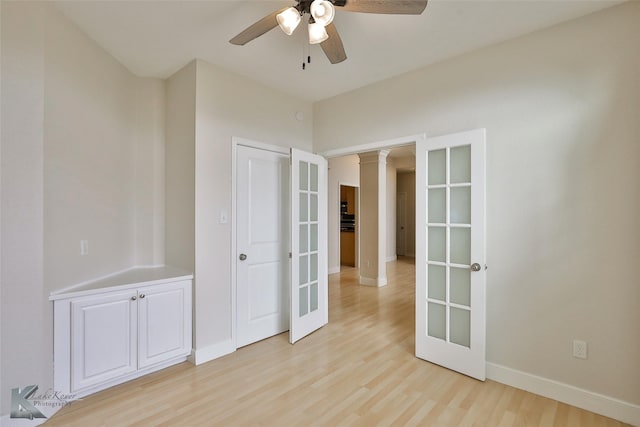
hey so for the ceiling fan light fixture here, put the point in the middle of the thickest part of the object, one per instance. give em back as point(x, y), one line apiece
point(322, 12)
point(288, 20)
point(317, 33)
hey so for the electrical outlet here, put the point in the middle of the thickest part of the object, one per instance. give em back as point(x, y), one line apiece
point(84, 247)
point(579, 349)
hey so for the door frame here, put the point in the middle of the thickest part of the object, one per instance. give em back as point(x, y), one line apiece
point(235, 142)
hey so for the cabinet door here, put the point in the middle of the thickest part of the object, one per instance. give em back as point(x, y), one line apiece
point(103, 338)
point(164, 322)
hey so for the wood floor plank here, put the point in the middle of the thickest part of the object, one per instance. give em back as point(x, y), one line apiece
point(359, 370)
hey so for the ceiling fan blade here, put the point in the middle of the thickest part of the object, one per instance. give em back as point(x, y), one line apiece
point(332, 46)
point(400, 7)
point(254, 31)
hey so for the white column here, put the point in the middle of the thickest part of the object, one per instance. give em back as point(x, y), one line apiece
point(373, 218)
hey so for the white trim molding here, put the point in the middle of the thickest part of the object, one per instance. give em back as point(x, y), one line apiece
point(374, 146)
point(379, 282)
point(214, 351)
point(584, 399)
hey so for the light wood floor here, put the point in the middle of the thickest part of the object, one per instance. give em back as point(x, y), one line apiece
point(359, 370)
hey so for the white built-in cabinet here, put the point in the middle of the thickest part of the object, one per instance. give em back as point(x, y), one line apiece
point(113, 330)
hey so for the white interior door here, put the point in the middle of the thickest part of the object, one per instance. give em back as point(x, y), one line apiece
point(309, 269)
point(401, 231)
point(450, 252)
point(262, 243)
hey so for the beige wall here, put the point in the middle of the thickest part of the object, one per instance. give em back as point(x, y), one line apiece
point(25, 313)
point(225, 105)
point(180, 162)
point(102, 129)
point(561, 111)
point(149, 172)
point(81, 147)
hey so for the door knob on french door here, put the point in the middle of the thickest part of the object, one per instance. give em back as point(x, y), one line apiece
point(475, 267)
point(242, 257)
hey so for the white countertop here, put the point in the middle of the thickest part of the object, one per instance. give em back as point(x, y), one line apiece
point(132, 278)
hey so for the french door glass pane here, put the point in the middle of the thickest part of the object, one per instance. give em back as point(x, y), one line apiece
point(313, 238)
point(461, 205)
point(460, 286)
point(304, 176)
point(460, 326)
point(313, 276)
point(436, 320)
point(460, 245)
point(437, 244)
point(304, 269)
point(437, 205)
point(437, 282)
point(437, 167)
point(304, 238)
point(461, 164)
point(304, 207)
point(313, 296)
point(313, 207)
point(304, 301)
point(314, 177)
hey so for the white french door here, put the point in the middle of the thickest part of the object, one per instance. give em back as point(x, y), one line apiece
point(450, 251)
point(309, 270)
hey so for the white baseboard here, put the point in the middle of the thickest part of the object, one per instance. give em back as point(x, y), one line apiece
point(211, 352)
point(334, 270)
point(392, 258)
point(585, 399)
point(379, 282)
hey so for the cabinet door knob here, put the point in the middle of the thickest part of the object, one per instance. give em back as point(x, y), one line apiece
point(133, 298)
point(141, 296)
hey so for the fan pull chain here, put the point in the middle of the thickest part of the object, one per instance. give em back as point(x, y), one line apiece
point(304, 64)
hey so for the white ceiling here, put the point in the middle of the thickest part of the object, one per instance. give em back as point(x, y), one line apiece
point(156, 38)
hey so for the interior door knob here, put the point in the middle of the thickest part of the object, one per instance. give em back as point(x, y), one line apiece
point(242, 257)
point(475, 267)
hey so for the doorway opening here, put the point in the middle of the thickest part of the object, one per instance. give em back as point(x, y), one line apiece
point(395, 194)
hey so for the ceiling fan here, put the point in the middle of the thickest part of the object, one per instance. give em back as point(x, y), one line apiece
point(321, 28)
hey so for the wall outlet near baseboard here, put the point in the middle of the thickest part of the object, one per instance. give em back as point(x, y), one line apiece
point(579, 349)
